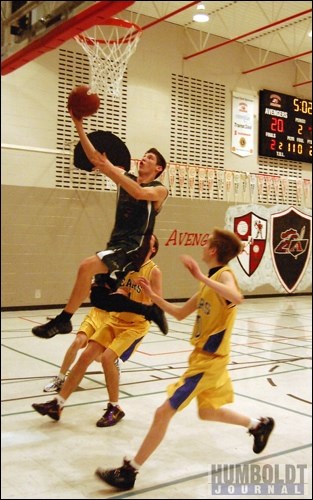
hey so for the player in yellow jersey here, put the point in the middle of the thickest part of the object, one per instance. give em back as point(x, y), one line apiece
point(112, 336)
point(117, 302)
point(206, 378)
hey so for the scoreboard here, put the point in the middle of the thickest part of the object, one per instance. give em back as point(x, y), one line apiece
point(285, 126)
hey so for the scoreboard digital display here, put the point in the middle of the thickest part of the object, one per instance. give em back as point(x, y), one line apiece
point(285, 126)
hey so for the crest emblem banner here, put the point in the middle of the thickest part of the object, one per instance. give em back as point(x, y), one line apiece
point(252, 230)
point(290, 245)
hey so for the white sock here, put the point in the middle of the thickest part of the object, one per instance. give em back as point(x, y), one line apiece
point(61, 376)
point(60, 400)
point(114, 403)
point(134, 464)
point(254, 422)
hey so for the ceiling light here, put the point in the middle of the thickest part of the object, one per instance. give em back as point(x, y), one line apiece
point(200, 16)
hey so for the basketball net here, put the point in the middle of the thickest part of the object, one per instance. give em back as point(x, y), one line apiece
point(108, 53)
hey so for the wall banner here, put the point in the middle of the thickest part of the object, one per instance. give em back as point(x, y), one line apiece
point(277, 247)
point(252, 230)
point(242, 124)
point(291, 237)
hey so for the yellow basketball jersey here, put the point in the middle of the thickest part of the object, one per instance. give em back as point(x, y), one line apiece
point(135, 291)
point(215, 319)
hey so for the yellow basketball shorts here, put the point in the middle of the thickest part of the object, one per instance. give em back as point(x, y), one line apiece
point(94, 320)
point(122, 337)
point(206, 379)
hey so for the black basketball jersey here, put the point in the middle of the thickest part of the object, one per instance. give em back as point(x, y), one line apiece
point(134, 219)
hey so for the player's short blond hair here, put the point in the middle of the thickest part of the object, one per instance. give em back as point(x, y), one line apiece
point(228, 245)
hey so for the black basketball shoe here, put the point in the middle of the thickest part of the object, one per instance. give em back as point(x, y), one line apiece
point(122, 478)
point(261, 433)
point(52, 328)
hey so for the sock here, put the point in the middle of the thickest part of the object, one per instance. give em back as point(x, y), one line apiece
point(254, 422)
point(134, 464)
point(64, 316)
point(60, 400)
point(61, 376)
point(114, 403)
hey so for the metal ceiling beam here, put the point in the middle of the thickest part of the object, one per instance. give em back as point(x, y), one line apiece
point(262, 28)
point(276, 62)
point(97, 13)
point(171, 14)
point(302, 83)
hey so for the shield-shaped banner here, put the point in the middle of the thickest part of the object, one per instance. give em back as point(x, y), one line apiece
point(290, 245)
point(252, 230)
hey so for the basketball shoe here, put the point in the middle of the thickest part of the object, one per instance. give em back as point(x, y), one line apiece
point(51, 408)
point(261, 433)
point(55, 385)
point(52, 328)
point(122, 478)
point(158, 317)
point(111, 416)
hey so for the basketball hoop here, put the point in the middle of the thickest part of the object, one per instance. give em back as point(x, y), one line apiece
point(108, 53)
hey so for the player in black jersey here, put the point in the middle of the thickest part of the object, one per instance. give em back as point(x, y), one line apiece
point(140, 199)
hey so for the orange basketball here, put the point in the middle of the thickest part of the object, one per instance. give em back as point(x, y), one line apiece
point(81, 103)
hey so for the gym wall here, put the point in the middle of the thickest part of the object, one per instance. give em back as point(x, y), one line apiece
point(53, 215)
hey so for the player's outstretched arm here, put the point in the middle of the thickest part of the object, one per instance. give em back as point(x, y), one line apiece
point(178, 312)
point(226, 287)
point(85, 142)
point(153, 193)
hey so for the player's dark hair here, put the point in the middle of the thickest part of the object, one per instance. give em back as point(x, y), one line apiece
point(160, 159)
point(155, 246)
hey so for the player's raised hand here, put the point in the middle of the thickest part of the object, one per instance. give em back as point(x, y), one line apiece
point(101, 162)
point(192, 266)
point(145, 285)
